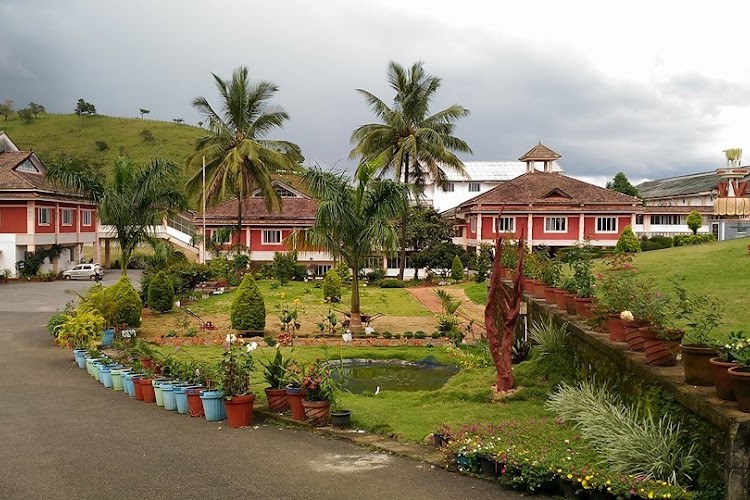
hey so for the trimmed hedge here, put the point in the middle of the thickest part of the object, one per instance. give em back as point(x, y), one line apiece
point(391, 283)
point(693, 239)
point(628, 241)
point(248, 311)
point(126, 304)
point(332, 286)
point(161, 293)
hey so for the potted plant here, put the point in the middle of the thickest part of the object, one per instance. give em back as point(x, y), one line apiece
point(234, 371)
point(648, 310)
point(275, 373)
point(740, 374)
point(617, 288)
point(702, 314)
point(551, 273)
point(294, 391)
point(320, 390)
point(79, 329)
point(722, 363)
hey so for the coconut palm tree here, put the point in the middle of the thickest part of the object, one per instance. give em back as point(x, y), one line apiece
point(133, 201)
point(238, 158)
point(410, 143)
point(353, 222)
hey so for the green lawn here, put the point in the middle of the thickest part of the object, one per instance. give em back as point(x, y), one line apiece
point(477, 292)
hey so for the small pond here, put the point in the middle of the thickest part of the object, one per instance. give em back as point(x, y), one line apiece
point(363, 375)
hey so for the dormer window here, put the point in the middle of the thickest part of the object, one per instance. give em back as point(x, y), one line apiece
point(27, 166)
point(284, 193)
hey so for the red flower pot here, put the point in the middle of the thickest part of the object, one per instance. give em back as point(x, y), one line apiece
point(616, 328)
point(695, 360)
point(560, 298)
point(137, 388)
point(318, 413)
point(660, 351)
point(570, 303)
point(583, 307)
point(149, 396)
point(722, 380)
point(239, 410)
point(549, 295)
point(538, 288)
point(294, 396)
point(195, 405)
point(741, 383)
point(634, 336)
point(277, 400)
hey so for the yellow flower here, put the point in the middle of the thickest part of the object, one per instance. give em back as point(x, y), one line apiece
point(570, 476)
point(296, 302)
point(282, 295)
point(651, 494)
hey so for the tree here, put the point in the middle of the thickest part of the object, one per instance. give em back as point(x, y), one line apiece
point(410, 142)
point(161, 293)
point(457, 270)
point(134, 199)
point(143, 111)
point(238, 157)
point(628, 242)
point(351, 222)
point(440, 257)
point(426, 229)
point(621, 184)
point(6, 108)
point(36, 108)
point(84, 108)
point(26, 115)
point(248, 310)
point(694, 221)
point(178, 120)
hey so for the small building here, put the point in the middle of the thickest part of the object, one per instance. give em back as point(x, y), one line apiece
point(36, 215)
point(549, 207)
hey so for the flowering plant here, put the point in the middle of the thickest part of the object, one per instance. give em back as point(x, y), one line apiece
point(235, 367)
point(275, 370)
point(317, 381)
point(581, 282)
point(289, 315)
point(737, 349)
point(619, 285)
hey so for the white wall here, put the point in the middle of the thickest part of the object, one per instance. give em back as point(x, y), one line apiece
point(8, 253)
point(442, 200)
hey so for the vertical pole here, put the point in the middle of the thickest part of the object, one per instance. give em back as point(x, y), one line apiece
point(203, 192)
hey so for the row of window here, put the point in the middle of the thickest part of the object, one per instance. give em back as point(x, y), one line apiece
point(44, 216)
point(450, 187)
point(551, 224)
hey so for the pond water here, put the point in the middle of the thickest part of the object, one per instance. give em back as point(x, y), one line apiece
point(366, 376)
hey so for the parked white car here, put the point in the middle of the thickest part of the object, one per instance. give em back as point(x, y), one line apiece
point(84, 271)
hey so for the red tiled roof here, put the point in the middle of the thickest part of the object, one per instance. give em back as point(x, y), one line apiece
point(254, 211)
point(27, 184)
point(540, 152)
point(544, 188)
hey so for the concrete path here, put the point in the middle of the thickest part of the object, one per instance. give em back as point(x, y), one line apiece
point(63, 435)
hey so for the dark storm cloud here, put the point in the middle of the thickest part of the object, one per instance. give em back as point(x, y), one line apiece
point(159, 55)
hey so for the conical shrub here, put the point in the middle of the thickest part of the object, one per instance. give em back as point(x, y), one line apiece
point(248, 311)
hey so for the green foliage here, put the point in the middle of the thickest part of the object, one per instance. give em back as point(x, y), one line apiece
point(80, 329)
point(628, 442)
point(440, 257)
point(581, 282)
point(219, 268)
point(147, 135)
point(234, 371)
point(248, 311)
point(375, 275)
point(342, 269)
point(26, 115)
point(161, 293)
point(701, 313)
point(84, 108)
point(628, 242)
point(655, 243)
point(551, 338)
point(33, 261)
point(694, 221)
point(101, 146)
point(391, 283)
point(284, 266)
point(126, 305)
point(693, 239)
point(275, 370)
point(621, 184)
point(317, 381)
point(448, 302)
point(332, 286)
point(426, 228)
point(36, 109)
point(457, 270)
point(483, 262)
point(57, 319)
point(6, 108)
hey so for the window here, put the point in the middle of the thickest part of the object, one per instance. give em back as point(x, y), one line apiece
point(639, 218)
point(666, 219)
point(473, 222)
point(271, 237)
point(449, 187)
point(373, 262)
point(606, 224)
point(555, 224)
point(86, 217)
point(506, 224)
point(393, 262)
point(322, 269)
point(27, 166)
point(67, 217)
point(473, 187)
point(43, 217)
point(284, 193)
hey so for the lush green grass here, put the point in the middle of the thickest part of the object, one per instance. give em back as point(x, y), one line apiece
point(477, 292)
point(52, 136)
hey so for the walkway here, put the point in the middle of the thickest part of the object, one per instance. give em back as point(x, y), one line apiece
point(62, 435)
point(468, 311)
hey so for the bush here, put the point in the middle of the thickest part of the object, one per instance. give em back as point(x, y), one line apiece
point(332, 286)
point(219, 268)
point(248, 311)
point(693, 239)
point(161, 293)
point(283, 266)
point(694, 221)
point(549, 337)
point(342, 269)
point(101, 146)
point(300, 272)
point(126, 305)
point(655, 243)
point(375, 275)
point(391, 283)
point(457, 269)
point(628, 242)
point(147, 135)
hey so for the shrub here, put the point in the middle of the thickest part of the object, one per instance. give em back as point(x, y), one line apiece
point(655, 243)
point(161, 293)
point(101, 146)
point(375, 275)
point(219, 268)
point(693, 239)
point(147, 135)
point(549, 337)
point(283, 266)
point(248, 311)
point(126, 305)
point(342, 269)
point(628, 242)
point(457, 269)
point(694, 221)
point(391, 283)
point(332, 286)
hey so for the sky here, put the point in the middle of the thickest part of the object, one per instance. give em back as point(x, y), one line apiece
point(653, 89)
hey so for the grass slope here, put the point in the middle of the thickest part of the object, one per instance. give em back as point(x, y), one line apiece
point(51, 136)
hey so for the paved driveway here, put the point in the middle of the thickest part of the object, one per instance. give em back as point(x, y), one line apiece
point(62, 435)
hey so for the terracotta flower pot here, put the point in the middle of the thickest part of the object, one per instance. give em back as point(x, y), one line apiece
point(538, 288)
point(295, 395)
point(549, 295)
point(318, 413)
point(634, 336)
point(239, 410)
point(195, 405)
point(695, 360)
point(570, 303)
point(661, 351)
point(149, 396)
point(560, 298)
point(741, 382)
point(722, 380)
point(583, 307)
point(504, 273)
point(616, 328)
point(528, 284)
point(277, 400)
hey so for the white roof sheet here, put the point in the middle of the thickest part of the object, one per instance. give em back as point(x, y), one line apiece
point(494, 170)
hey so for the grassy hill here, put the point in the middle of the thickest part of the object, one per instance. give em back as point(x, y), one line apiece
point(721, 270)
point(51, 136)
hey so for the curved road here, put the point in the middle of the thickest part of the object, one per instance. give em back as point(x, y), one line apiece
point(62, 435)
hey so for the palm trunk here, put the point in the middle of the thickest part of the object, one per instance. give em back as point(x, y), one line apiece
point(355, 325)
point(402, 257)
point(240, 199)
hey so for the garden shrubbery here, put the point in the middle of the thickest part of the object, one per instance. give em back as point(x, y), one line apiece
point(332, 286)
point(693, 239)
point(125, 303)
point(655, 243)
point(248, 311)
point(628, 241)
point(160, 293)
point(391, 283)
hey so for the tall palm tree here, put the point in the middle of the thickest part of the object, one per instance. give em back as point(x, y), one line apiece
point(133, 201)
point(410, 143)
point(238, 158)
point(353, 222)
